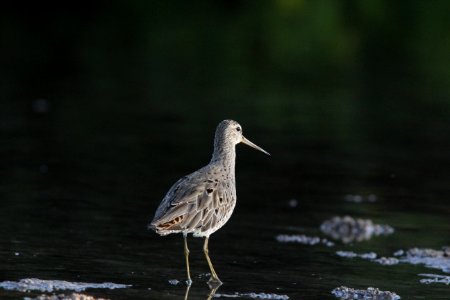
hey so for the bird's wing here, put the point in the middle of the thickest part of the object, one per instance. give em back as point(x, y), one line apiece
point(184, 196)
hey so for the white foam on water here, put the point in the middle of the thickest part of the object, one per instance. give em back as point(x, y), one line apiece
point(174, 281)
point(34, 284)
point(435, 278)
point(73, 296)
point(387, 261)
point(351, 254)
point(303, 239)
point(344, 292)
point(253, 296)
point(436, 259)
point(348, 229)
point(430, 258)
point(360, 198)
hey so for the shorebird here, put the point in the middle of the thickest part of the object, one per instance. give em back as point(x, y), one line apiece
point(202, 202)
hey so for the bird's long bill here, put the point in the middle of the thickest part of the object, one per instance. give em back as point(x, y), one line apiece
point(247, 142)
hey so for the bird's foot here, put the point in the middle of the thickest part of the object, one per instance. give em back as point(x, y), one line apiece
point(189, 282)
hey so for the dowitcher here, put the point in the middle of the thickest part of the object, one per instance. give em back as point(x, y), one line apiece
point(202, 202)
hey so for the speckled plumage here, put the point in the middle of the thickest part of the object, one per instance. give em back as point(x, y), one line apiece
point(202, 202)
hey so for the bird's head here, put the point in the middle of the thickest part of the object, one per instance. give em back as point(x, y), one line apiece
point(231, 131)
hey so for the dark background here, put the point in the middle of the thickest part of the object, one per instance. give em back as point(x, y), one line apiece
point(121, 97)
point(104, 104)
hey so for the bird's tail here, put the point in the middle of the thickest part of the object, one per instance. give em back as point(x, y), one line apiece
point(164, 228)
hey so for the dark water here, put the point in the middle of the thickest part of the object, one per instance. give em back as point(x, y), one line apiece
point(75, 208)
point(99, 117)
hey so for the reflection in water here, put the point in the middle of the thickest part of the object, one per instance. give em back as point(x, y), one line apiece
point(347, 229)
point(188, 287)
point(213, 287)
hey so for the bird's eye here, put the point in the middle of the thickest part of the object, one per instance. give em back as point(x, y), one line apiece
point(238, 128)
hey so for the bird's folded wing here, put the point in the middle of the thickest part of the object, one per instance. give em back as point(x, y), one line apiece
point(182, 197)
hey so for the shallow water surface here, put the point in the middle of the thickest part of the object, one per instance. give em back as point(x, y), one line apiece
point(84, 220)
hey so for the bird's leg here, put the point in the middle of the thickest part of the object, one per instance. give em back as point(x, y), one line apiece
point(214, 277)
point(186, 255)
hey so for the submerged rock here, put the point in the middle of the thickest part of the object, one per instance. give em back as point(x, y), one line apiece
point(73, 296)
point(344, 292)
point(348, 229)
point(34, 284)
point(303, 239)
point(434, 278)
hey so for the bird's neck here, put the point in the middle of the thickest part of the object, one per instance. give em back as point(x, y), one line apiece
point(225, 154)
